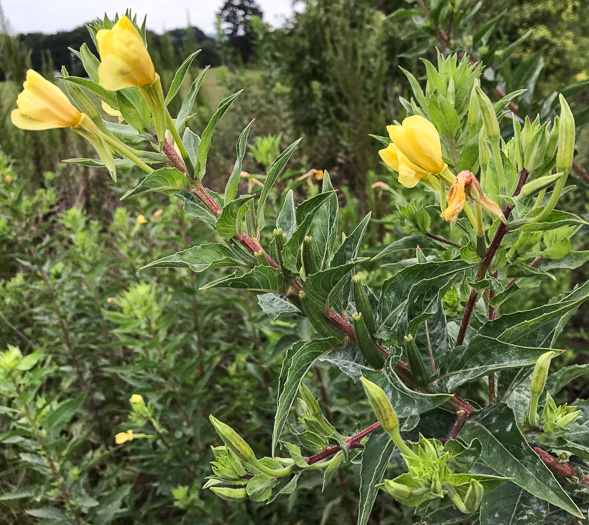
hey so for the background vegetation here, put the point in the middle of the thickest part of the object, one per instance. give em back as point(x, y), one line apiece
point(72, 287)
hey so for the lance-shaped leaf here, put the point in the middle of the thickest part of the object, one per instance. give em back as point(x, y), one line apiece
point(108, 96)
point(233, 182)
point(207, 135)
point(199, 258)
point(481, 356)
point(165, 180)
point(323, 229)
point(179, 76)
point(348, 250)
point(194, 207)
point(408, 243)
point(188, 102)
point(276, 305)
point(506, 451)
point(228, 223)
point(297, 362)
point(287, 218)
point(271, 177)
point(555, 219)
point(375, 459)
point(261, 279)
point(539, 327)
point(319, 285)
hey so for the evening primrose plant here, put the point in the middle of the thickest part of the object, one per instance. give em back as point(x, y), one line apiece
point(446, 388)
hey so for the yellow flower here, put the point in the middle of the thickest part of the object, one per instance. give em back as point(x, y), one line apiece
point(125, 61)
point(123, 437)
point(457, 196)
point(8, 178)
point(136, 398)
point(141, 220)
point(111, 300)
point(409, 173)
point(112, 111)
point(418, 140)
point(42, 105)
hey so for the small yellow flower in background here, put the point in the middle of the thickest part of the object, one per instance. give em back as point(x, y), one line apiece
point(136, 398)
point(141, 220)
point(112, 111)
point(580, 77)
point(416, 150)
point(125, 61)
point(156, 214)
point(42, 105)
point(123, 437)
point(8, 178)
point(111, 300)
point(457, 196)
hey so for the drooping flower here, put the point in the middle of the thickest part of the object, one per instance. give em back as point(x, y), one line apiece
point(42, 105)
point(125, 61)
point(418, 140)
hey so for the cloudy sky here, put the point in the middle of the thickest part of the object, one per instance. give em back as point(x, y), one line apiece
point(49, 16)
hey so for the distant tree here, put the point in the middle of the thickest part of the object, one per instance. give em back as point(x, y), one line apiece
point(236, 17)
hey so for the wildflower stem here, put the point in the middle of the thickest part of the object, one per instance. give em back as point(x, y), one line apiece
point(178, 141)
point(499, 164)
point(125, 150)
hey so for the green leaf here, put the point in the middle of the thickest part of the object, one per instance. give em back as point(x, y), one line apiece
point(561, 378)
point(271, 177)
point(538, 327)
point(25, 492)
point(188, 102)
point(207, 135)
point(276, 305)
point(375, 459)
point(233, 182)
point(287, 218)
point(199, 258)
point(108, 96)
point(133, 107)
point(443, 115)
point(259, 488)
point(323, 229)
point(179, 76)
point(261, 279)
point(407, 243)
point(555, 219)
point(481, 356)
point(319, 285)
point(506, 451)
point(164, 180)
point(89, 61)
point(297, 362)
point(348, 250)
point(194, 207)
point(417, 91)
point(191, 141)
point(510, 505)
point(50, 513)
point(64, 412)
point(228, 223)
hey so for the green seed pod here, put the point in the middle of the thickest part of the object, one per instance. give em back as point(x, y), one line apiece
point(382, 407)
point(420, 374)
point(474, 496)
point(362, 304)
point(397, 490)
point(230, 494)
point(280, 240)
point(233, 440)
point(261, 258)
point(310, 402)
point(308, 261)
point(318, 319)
point(365, 342)
point(566, 138)
point(489, 117)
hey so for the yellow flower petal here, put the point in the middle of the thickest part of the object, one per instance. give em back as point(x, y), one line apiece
point(456, 198)
point(125, 61)
point(136, 398)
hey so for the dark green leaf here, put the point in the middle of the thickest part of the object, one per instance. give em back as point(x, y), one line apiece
point(233, 182)
point(228, 223)
point(261, 279)
point(348, 250)
point(194, 207)
point(64, 412)
point(179, 76)
point(276, 305)
point(511, 505)
point(164, 180)
point(199, 258)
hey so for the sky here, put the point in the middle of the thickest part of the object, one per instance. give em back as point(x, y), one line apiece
point(50, 16)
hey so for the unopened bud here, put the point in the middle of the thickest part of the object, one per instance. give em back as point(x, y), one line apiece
point(566, 138)
point(382, 407)
point(367, 346)
point(230, 494)
point(541, 372)
point(233, 440)
point(473, 109)
point(474, 496)
point(539, 184)
point(489, 117)
point(311, 403)
point(397, 490)
point(136, 399)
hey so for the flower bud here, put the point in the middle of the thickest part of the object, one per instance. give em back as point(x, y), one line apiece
point(123, 437)
point(541, 372)
point(474, 496)
point(397, 490)
point(230, 494)
point(365, 342)
point(539, 184)
point(233, 440)
point(382, 407)
point(473, 109)
point(488, 112)
point(310, 402)
point(566, 138)
point(308, 261)
point(136, 398)
point(362, 304)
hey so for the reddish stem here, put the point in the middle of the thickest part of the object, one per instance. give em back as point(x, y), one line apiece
point(445, 241)
point(556, 467)
point(458, 425)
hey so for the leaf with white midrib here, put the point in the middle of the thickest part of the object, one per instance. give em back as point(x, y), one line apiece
point(228, 223)
point(165, 180)
point(506, 451)
point(198, 258)
point(260, 279)
point(319, 285)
